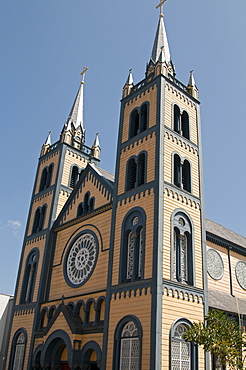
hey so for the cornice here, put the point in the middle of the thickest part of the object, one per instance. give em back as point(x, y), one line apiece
point(181, 140)
point(215, 239)
point(181, 195)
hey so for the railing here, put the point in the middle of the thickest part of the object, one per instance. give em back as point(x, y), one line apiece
point(177, 82)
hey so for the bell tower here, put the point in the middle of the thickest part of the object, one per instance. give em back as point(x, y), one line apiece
point(156, 280)
point(59, 167)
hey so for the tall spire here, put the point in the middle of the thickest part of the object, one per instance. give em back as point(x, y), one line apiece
point(76, 116)
point(161, 43)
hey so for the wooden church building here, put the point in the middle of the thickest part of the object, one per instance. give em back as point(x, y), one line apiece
point(114, 267)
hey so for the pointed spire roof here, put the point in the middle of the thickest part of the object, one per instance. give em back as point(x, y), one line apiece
point(129, 80)
point(191, 82)
point(48, 140)
point(161, 43)
point(96, 143)
point(76, 115)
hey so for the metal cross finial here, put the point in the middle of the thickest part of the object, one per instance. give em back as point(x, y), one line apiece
point(161, 6)
point(83, 75)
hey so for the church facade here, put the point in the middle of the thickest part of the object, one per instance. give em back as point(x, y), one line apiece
point(113, 267)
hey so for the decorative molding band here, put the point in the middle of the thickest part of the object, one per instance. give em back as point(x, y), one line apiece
point(190, 294)
point(180, 95)
point(33, 239)
point(49, 156)
point(182, 196)
point(180, 140)
point(75, 153)
point(139, 139)
point(27, 311)
point(137, 193)
point(140, 90)
point(225, 243)
point(128, 290)
point(84, 217)
point(45, 194)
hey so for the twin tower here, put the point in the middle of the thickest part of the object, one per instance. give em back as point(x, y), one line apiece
point(112, 267)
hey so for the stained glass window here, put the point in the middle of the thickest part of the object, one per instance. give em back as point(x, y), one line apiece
point(180, 350)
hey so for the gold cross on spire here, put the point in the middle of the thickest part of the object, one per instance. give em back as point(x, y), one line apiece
point(83, 75)
point(161, 6)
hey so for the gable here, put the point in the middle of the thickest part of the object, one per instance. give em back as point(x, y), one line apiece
point(92, 187)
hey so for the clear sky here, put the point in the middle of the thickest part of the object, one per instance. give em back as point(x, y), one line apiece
point(44, 46)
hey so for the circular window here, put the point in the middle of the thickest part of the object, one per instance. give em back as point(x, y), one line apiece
point(215, 264)
point(81, 259)
point(241, 273)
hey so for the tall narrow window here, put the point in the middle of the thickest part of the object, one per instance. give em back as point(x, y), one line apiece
point(29, 277)
point(182, 260)
point(43, 179)
point(181, 173)
point(39, 218)
point(46, 177)
point(136, 171)
point(138, 120)
point(181, 122)
point(141, 169)
point(186, 179)
point(185, 125)
point(176, 118)
point(132, 250)
point(183, 355)
point(134, 123)
point(130, 347)
point(176, 170)
point(132, 174)
point(86, 206)
point(143, 117)
point(74, 177)
point(18, 351)
point(181, 350)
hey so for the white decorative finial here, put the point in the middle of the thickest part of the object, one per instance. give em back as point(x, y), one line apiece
point(161, 7)
point(83, 75)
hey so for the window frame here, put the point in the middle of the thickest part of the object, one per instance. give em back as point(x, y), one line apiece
point(138, 254)
point(176, 252)
point(17, 334)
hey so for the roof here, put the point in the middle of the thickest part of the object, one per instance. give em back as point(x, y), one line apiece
point(226, 302)
point(224, 233)
point(107, 175)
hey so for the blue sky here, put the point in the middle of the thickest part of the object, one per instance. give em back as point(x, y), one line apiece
point(45, 45)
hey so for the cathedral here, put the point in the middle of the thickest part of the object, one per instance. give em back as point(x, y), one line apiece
point(114, 268)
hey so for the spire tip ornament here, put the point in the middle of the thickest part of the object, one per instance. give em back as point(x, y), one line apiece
point(161, 7)
point(83, 75)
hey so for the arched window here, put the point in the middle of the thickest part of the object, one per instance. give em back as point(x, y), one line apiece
point(183, 354)
point(176, 118)
point(136, 171)
point(181, 122)
point(128, 343)
point(18, 350)
point(143, 117)
point(176, 170)
point(86, 206)
point(74, 177)
point(181, 173)
point(46, 177)
point(186, 179)
point(138, 120)
point(43, 179)
point(29, 277)
point(134, 123)
point(39, 217)
point(132, 250)
point(185, 131)
point(141, 169)
point(182, 251)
